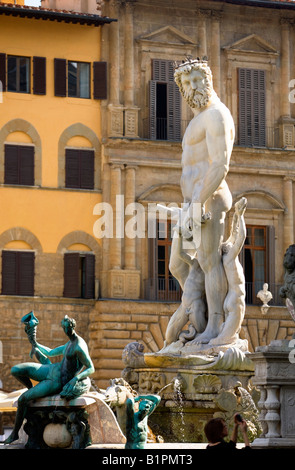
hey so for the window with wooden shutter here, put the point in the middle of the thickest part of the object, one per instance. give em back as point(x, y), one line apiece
point(252, 121)
point(3, 71)
point(18, 270)
point(39, 75)
point(100, 80)
point(165, 102)
point(60, 77)
point(79, 169)
point(79, 275)
point(19, 164)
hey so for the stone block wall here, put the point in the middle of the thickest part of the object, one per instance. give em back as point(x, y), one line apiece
point(108, 326)
point(14, 341)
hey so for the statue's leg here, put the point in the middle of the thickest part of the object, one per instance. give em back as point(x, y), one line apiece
point(42, 389)
point(210, 259)
point(26, 371)
point(194, 299)
point(175, 325)
point(178, 268)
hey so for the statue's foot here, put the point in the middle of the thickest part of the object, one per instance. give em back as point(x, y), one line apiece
point(13, 437)
point(201, 339)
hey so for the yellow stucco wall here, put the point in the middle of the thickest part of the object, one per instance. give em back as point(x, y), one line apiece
point(48, 212)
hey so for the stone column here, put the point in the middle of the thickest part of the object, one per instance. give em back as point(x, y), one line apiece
point(286, 122)
point(130, 243)
point(115, 107)
point(129, 56)
point(118, 217)
point(202, 15)
point(285, 68)
point(288, 216)
point(272, 417)
point(263, 411)
point(131, 111)
point(215, 50)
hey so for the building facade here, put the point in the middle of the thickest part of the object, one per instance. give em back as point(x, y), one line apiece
point(52, 84)
point(249, 46)
point(118, 286)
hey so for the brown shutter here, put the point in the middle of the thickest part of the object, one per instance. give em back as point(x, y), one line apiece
point(252, 119)
point(160, 70)
point(86, 169)
point(25, 274)
point(100, 80)
point(18, 272)
point(3, 70)
point(39, 75)
point(60, 77)
point(11, 164)
point(71, 275)
point(153, 110)
point(174, 112)
point(26, 165)
point(9, 272)
point(72, 169)
point(89, 276)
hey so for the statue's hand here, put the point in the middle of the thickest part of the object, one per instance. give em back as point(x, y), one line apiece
point(69, 386)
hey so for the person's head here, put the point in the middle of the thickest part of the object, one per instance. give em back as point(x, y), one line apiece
point(194, 79)
point(215, 430)
point(68, 324)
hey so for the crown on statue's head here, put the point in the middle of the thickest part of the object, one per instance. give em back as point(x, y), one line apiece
point(190, 61)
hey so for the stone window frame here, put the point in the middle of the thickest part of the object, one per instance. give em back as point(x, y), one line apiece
point(80, 130)
point(236, 58)
point(155, 46)
point(21, 125)
point(80, 237)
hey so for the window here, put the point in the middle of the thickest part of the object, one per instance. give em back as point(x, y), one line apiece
point(79, 169)
point(18, 272)
point(78, 79)
point(73, 79)
point(258, 260)
point(165, 102)
point(252, 131)
point(18, 74)
point(19, 164)
point(161, 285)
point(15, 74)
point(79, 275)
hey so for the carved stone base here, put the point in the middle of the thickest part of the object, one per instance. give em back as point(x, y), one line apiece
point(193, 389)
point(52, 422)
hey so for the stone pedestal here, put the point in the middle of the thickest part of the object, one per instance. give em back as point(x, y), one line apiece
point(53, 422)
point(275, 377)
point(194, 389)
